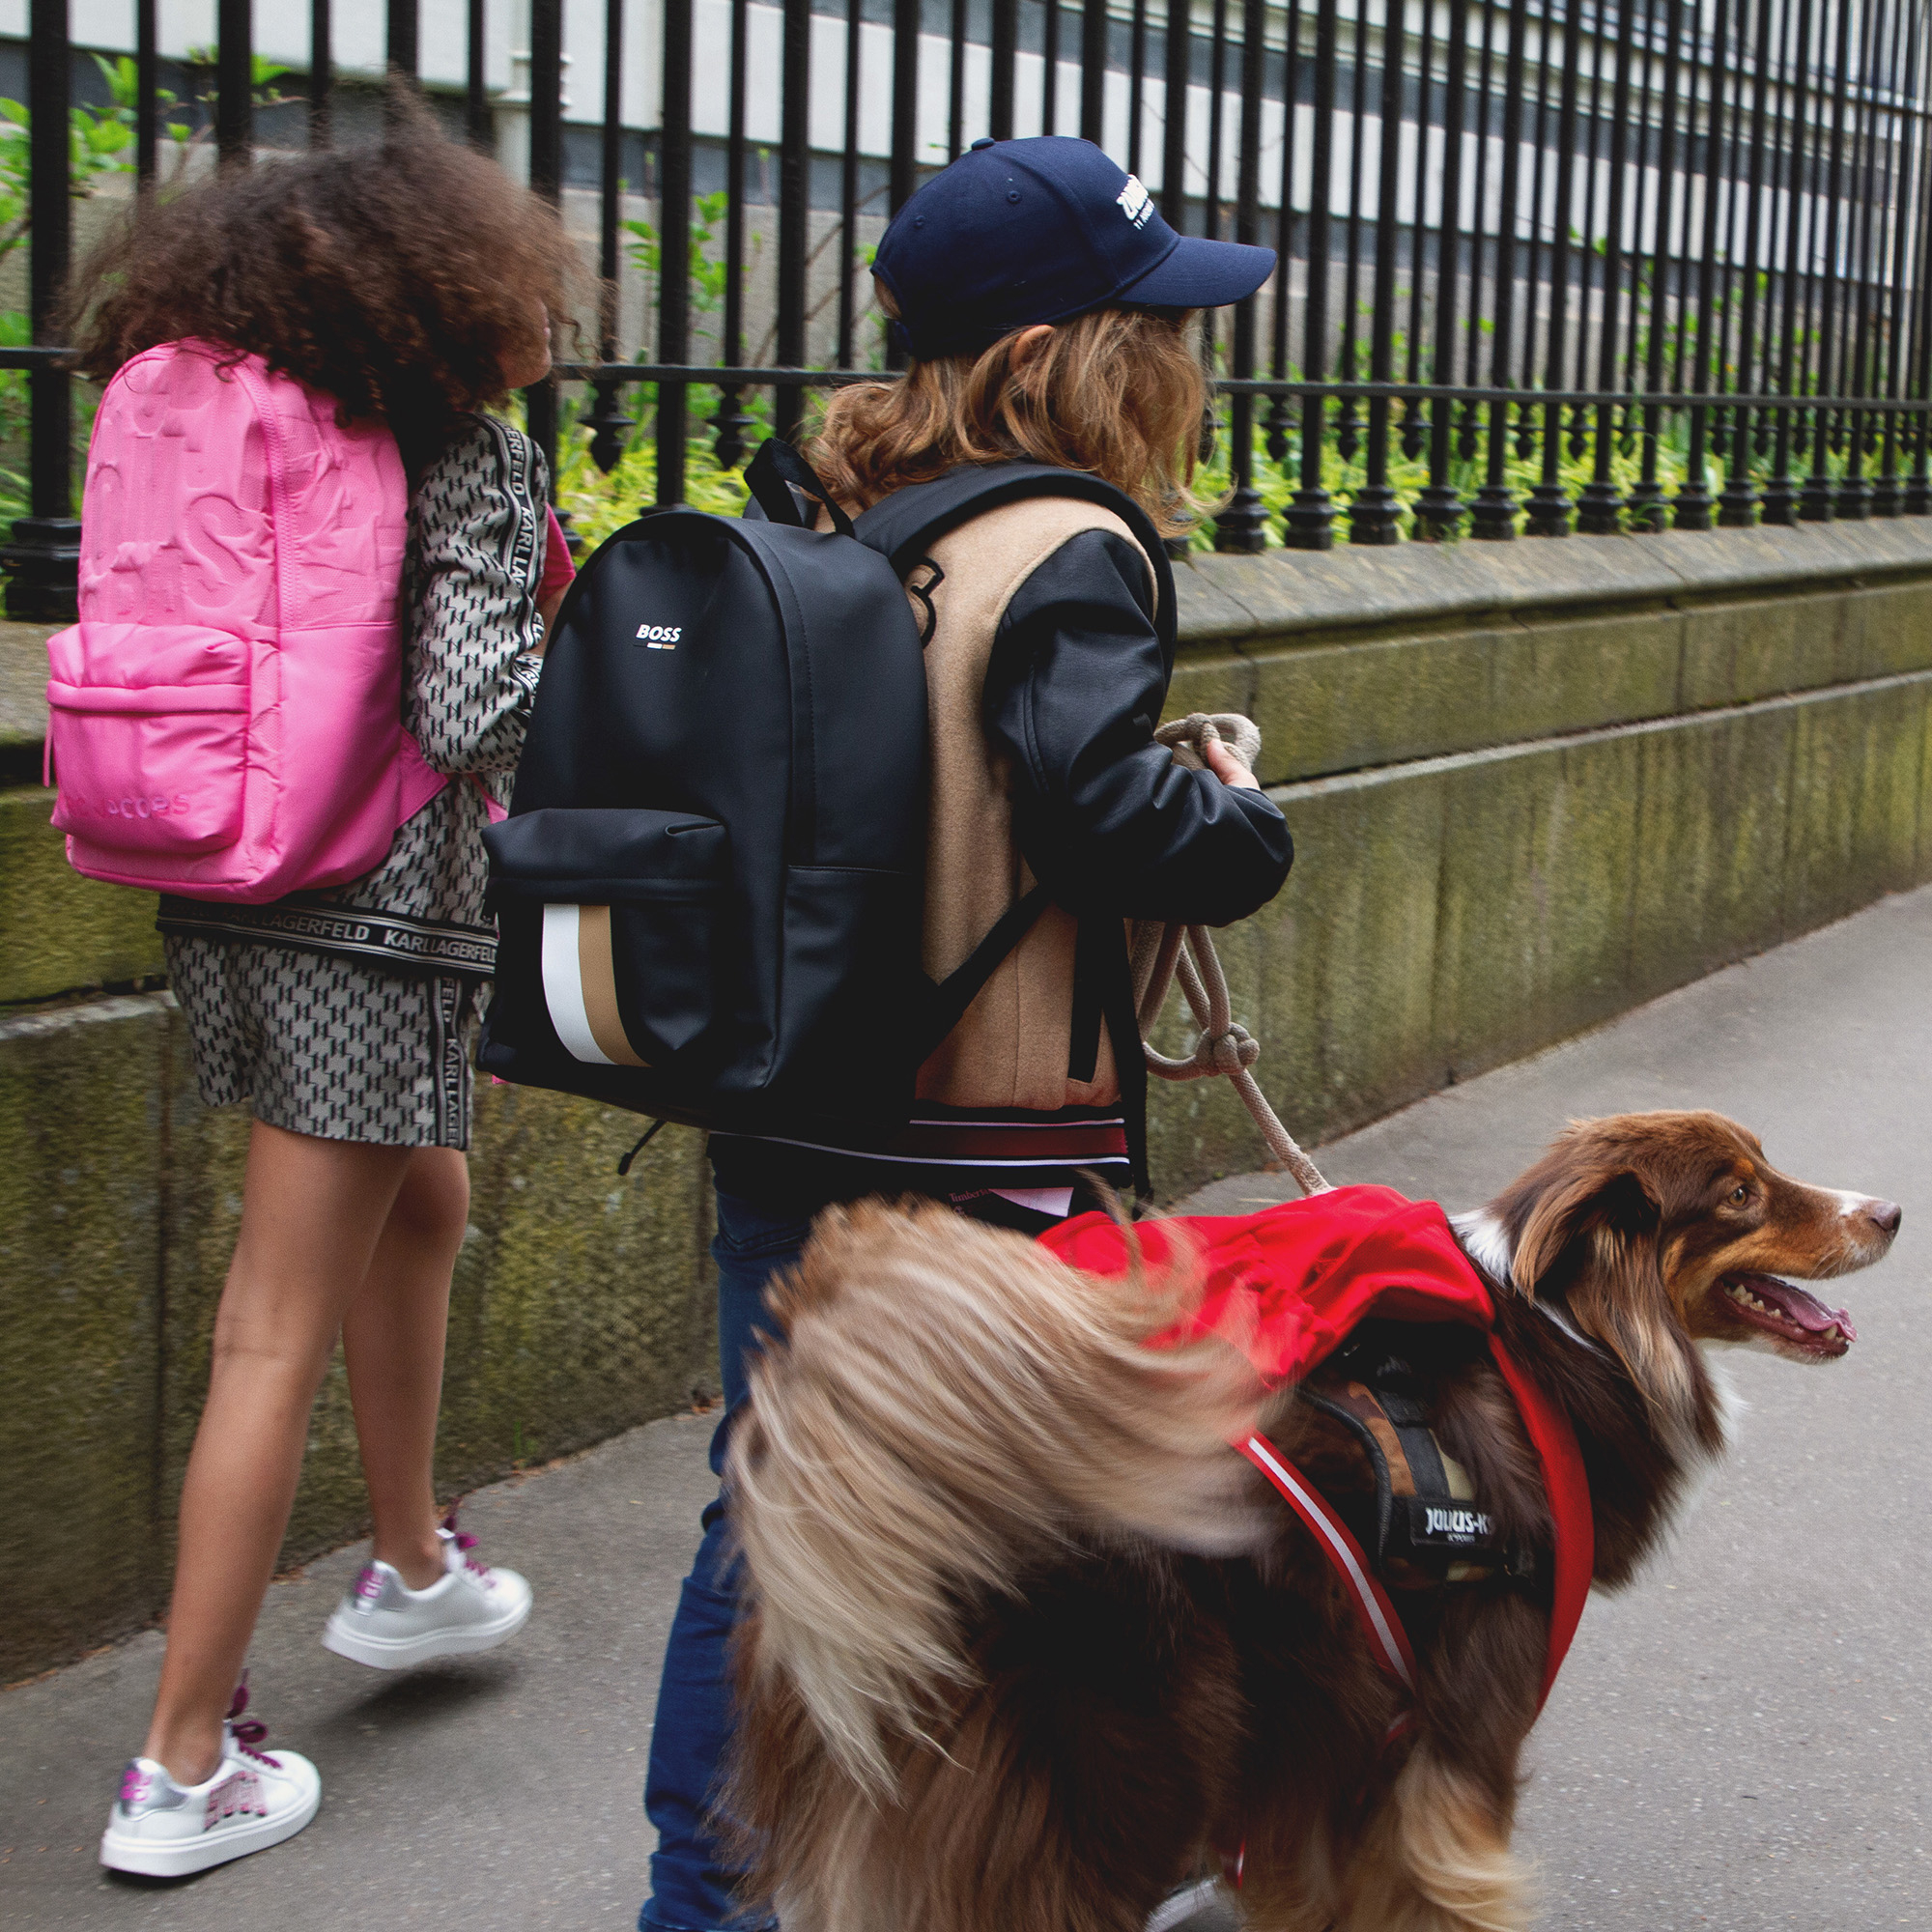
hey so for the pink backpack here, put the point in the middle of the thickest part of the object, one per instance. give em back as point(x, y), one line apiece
point(225, 721)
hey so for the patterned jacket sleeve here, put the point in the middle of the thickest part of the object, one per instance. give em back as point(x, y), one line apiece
point(477, 552)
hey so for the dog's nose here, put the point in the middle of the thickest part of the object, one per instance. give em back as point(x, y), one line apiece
point(1886, 1216)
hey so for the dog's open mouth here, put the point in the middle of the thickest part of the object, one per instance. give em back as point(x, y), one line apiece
point(1792, 1314)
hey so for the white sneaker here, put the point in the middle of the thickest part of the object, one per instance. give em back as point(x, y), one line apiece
point(254, 1800)
point(383, 1622)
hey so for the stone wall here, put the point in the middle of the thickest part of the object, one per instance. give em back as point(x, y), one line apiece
point(1531, 785)
point(581, 1307)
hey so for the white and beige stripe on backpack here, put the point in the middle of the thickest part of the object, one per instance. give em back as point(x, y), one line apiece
point(581, 985)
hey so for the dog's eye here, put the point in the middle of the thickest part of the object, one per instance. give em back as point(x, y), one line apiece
point(1739, 1196)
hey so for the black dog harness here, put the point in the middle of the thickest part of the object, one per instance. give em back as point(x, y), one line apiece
point(1428, 1526)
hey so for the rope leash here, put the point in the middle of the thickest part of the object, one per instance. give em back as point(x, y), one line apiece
point(1223, 1046)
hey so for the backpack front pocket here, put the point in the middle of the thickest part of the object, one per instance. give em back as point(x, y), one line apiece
point(608, 924)
point(148, 738)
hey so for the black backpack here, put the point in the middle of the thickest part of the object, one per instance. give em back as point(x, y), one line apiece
point(709, 889)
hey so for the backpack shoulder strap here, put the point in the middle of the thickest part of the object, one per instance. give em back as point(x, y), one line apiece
point(902, 527)
point(254, 378)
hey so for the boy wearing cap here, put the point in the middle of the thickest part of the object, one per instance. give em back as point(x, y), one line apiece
point(1043, 304)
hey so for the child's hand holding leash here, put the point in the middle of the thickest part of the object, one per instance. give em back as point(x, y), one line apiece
point(1223, 742)
point(1226, 766)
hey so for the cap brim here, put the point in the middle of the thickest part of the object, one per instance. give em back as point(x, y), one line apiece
point(1198, 274)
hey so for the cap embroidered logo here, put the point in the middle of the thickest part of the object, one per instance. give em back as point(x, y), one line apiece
point(660, 636)
point(1042, 230)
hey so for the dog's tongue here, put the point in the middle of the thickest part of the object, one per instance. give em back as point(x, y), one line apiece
point(1798, 1306)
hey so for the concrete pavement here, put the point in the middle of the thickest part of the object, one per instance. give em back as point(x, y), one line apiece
point(1739, 1742)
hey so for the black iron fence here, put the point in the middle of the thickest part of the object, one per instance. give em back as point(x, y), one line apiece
point(1546, 265)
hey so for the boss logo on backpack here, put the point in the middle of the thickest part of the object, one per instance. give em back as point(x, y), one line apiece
point(660, 636)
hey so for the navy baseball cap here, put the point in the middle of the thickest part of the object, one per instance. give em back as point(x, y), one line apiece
point(1042, 230)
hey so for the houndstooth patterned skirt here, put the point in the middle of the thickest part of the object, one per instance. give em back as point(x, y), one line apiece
point(328, 1046)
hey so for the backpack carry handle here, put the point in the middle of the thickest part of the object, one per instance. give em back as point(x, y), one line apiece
point(775, 472)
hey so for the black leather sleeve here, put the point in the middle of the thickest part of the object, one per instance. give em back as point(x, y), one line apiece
point(1103, 814)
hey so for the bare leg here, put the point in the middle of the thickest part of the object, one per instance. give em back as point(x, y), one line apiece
point(392, 1338)
point(312, 1214)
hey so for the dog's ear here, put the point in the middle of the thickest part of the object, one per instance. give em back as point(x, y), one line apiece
point(1576, 1199)
point(1594, 1232)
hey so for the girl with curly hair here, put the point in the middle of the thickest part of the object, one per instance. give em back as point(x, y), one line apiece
point(408, 284)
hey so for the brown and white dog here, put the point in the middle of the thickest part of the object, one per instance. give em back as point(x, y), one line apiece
point(1030, 1646)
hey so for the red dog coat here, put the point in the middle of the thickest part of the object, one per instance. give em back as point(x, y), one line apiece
point(1311, 1271)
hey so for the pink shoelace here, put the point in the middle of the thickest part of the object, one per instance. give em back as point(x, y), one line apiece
point(465, 1543)
point(249, 1732)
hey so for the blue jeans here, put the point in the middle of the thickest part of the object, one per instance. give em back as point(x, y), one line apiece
point(691, 1885)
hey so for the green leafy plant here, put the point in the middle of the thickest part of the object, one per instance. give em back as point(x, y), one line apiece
point(708, 275)
point(101, 141)
point(599, 502)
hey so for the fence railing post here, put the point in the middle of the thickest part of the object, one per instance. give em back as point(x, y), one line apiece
point(1093, 69)
point(1919, 377)
point(1174, 112)
point(1372, 517)
point(794, 207)
point(44, 560)
point(547, 179)
point(1279, 415)
point(1243, 525)
point(606, 419)
point(1599, 504)
point(732, 419)
point(1438, 508)
point(322, 73)
point(1006, 57)
point(146, 120)
point(905, 121)
point(1550, 504)
point(1738, 502)
point(848, 176)
point(1495, 511)
point(478, 120)
point(235, 82)
point(1780, 505)
point(1889, 493)
point(1309, 521)
point(1694, 232)
point(405, 38)
point(674, 247)
point(1814, 501)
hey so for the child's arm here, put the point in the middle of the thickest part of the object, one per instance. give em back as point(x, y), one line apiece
point(478, 522)
point(1102, 812)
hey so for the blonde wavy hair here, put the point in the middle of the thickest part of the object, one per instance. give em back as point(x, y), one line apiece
point(1118, 391)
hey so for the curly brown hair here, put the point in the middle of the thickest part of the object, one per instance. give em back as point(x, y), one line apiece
point(401, 276)
point(1119, 391)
